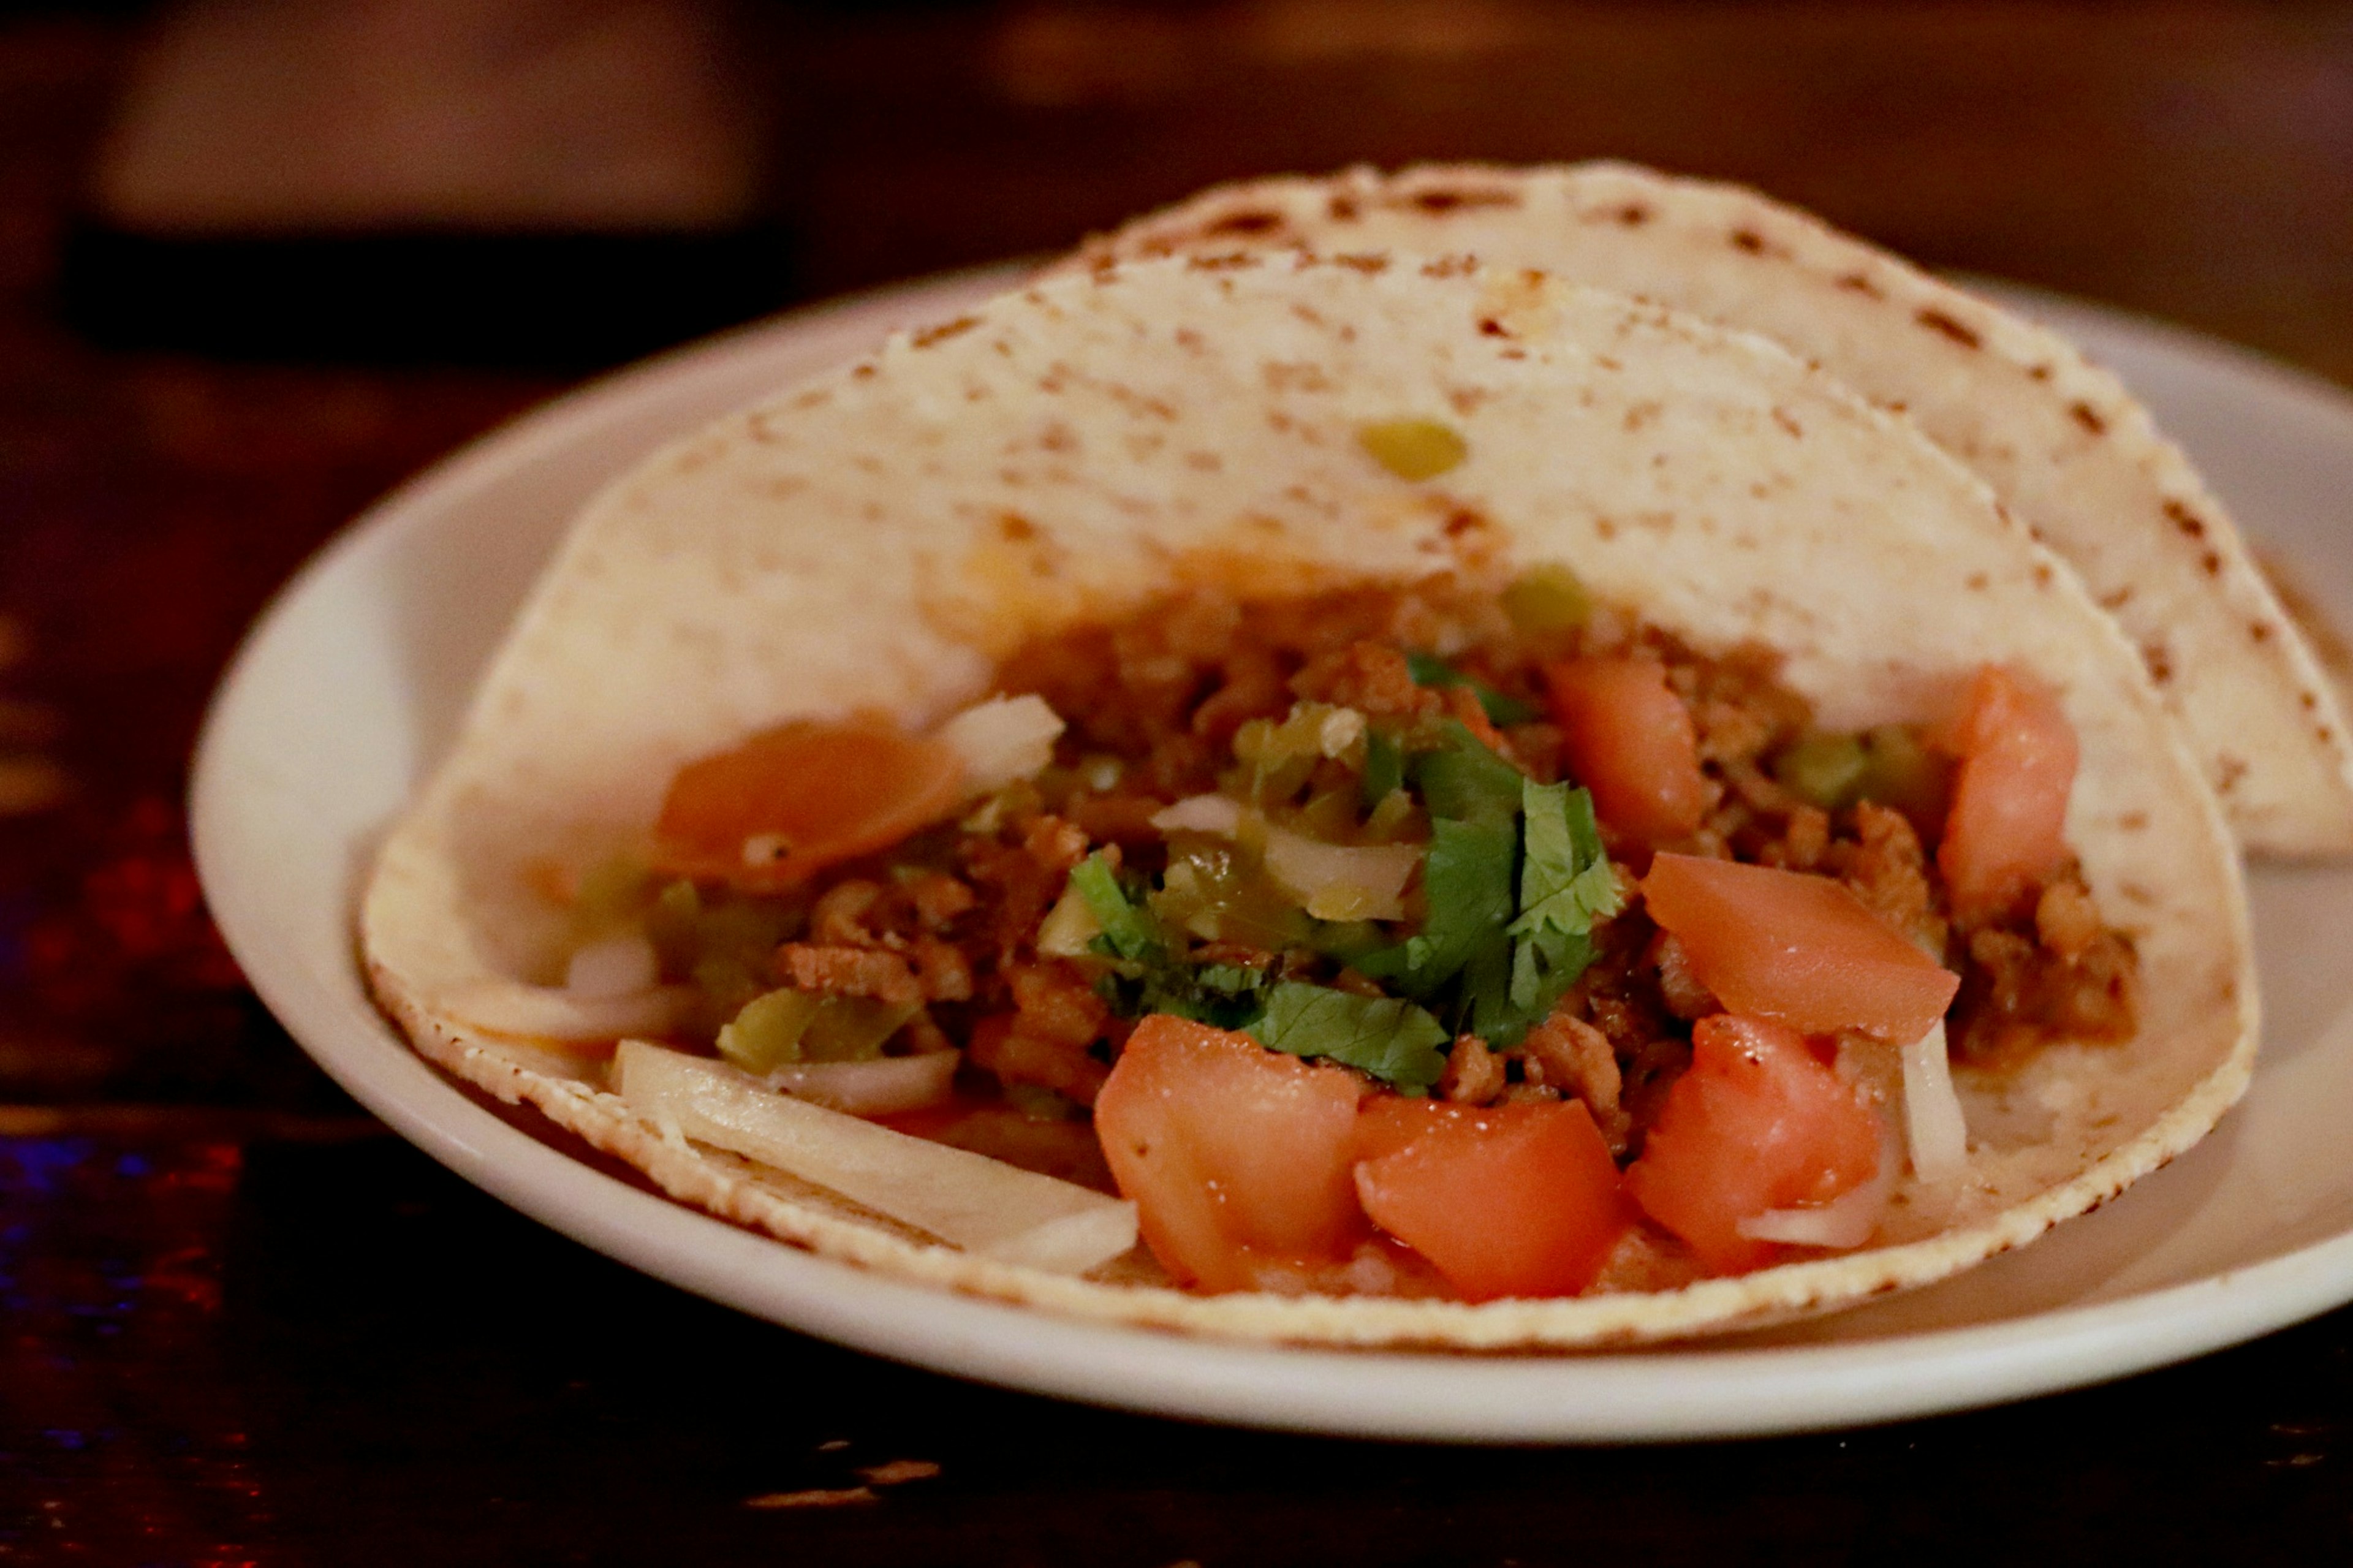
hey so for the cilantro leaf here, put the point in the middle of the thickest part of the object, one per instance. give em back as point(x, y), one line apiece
point(1542, 969)
point(1384, 767)
point(1466, 888)
point(1226, 995)
point(1128, 929)
point(1487, 1008)
point(1462, 779)
point(1428, 670)
point(1566, 882)
point(1393, 1040)
point(1567, 887)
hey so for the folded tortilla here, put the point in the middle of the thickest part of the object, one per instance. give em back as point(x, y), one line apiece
point(879, 537)
point(2062, 442)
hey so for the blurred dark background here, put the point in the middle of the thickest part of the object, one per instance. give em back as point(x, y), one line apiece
point(260, 260)
point(556, 180)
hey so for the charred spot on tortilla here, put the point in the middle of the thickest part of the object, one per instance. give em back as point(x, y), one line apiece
point(1944, 321)
point(1452, 200)
point(927, 336)
point(1254, 221)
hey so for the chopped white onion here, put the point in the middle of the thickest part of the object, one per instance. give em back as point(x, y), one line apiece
point(616, 966)
point(1334, 881)
point(1340, 881)
point(1341, 729)
point(1844, 1221)
point(545, 1013)
point(1069, 926)
point(1002, 739)
point(878, 1088)
point(1217, 814)
point(983, 1206)
point(1939, 1134)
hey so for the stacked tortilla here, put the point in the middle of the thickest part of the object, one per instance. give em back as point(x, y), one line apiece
point(878, 538)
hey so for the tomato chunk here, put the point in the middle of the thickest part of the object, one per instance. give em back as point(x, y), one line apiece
point(1516, 1200)
point(2007, 828)
point(1797, 948)
point(795, 799)
point(1233, 1154)
point(1758, 1123)
point(1630, 739)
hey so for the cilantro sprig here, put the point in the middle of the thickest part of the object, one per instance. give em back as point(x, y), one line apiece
point(1567, 888)
point(1514, 881)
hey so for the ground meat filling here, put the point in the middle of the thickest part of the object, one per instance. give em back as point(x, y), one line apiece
point(949, 923)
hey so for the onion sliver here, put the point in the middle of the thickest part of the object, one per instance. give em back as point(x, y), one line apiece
point(1342, 881)
point(1932, 1112)
point(970, 1201)
point(878, 1088)
point(1334, 881)
point(1069, 926)
point(1845, 1222)
point(1221, 815)
point(616, 966)
point(1002, 739)
point(544, 1012)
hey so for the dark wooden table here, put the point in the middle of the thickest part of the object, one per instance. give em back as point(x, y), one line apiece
point(239, 1323)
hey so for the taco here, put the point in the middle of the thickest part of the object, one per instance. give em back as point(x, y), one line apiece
point(2062, 442)
point(1341, 720)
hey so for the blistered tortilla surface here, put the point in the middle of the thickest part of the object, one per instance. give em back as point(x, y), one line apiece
point(878, 538)
point(2061, 441)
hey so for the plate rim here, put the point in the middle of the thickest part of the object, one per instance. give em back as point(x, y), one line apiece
point(1595, 1396)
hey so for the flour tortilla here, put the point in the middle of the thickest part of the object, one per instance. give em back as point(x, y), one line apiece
point(877, 538)
point(2061, 441)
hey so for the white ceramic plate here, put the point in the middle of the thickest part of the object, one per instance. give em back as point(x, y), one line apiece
point(351, 684)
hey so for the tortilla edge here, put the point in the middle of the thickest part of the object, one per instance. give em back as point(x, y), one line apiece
point(2172, 480)
point(1711, 1307)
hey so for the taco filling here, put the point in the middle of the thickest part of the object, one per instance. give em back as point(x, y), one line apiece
point(1423, 940)
point(1411, 942)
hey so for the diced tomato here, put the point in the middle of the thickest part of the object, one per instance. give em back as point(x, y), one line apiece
point(1387, 1123)
point(1516, 1200)
point(1233, 1154)
point(2007, 828)
point(793, 800)
point(1758, 1123)
point(1797, 948)
point(1630, 739)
